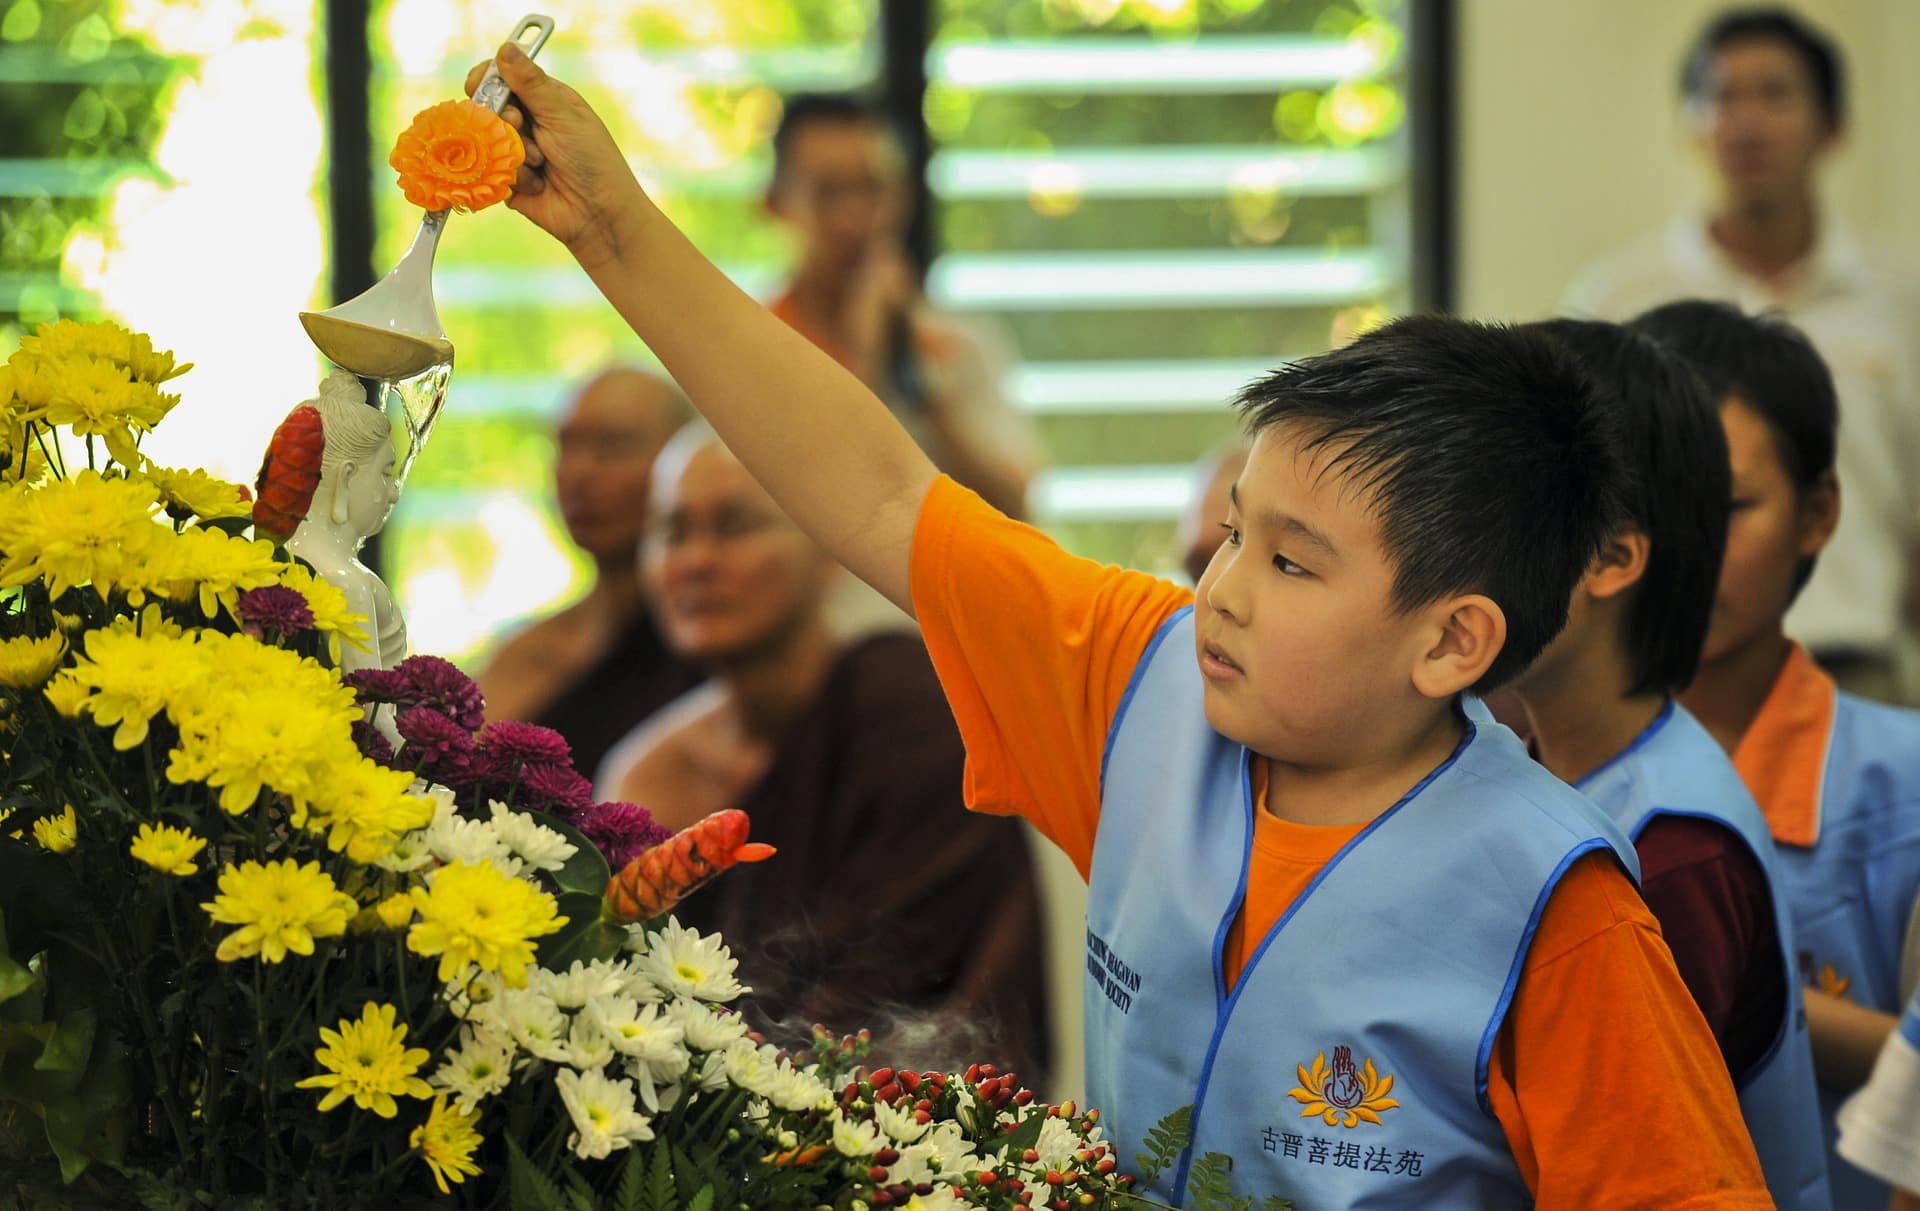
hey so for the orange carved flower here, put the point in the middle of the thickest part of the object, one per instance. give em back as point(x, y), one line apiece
point(457, 154)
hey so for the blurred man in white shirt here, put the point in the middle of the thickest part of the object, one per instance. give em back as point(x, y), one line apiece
point(1766, 96)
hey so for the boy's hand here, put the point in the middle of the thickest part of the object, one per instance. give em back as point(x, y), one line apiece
point(575, 184)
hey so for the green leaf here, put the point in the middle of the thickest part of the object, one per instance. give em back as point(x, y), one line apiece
point(1164, 1144)
point(14, 978)
point(71, 1044)
point(1273, 1202)
point(702, 1201)
point(528, 1189)
point(1210, 1188)
point(633, 1183)
point(661, 1195)
point(586, 935)
point(587, 870)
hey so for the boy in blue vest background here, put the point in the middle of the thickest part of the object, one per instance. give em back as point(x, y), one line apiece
point(1836, 776)
point(1391, 961)
point(1603, 718)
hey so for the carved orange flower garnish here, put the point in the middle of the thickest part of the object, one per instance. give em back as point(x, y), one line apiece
point(457, 154)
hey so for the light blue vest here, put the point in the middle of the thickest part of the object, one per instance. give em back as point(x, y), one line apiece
point(1347, 1068)
point(1852, 890)
point(1675, 768)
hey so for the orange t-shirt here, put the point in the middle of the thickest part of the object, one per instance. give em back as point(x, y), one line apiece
point(1604, 1077)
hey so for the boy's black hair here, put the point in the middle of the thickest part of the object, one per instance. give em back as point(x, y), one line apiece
point(1768, 365)
point(1826, 70)
point(805, 109)
point(1487, 461)
point(1673, 445)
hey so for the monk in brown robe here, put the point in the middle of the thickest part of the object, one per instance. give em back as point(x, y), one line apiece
point(889, 905)
point(595, 669)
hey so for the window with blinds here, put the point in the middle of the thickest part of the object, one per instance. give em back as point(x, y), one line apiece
point(691, 92)
point(1160, 200)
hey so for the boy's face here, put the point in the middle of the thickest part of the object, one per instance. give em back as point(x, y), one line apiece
point(1306, 660)
point(1771, 528)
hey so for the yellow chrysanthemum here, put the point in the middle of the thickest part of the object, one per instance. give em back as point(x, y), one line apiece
point(363, 807)
point(275, 734)
point(133, 678)
point(368, 1060)
point(446, 1141)
point(194, 493)
point(328, 604)
point(215, 565)
point(57, 834)
point(67, 695)
point(280, 907)
point(66, 340)
point(87, 529)
point(27, 662)
point(473, 913)
point(169, 850)
point(96, 397)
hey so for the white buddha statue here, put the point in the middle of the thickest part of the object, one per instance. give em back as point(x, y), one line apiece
point(357, 491)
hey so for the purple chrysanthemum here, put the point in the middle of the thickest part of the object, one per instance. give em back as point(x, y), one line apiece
point(437, 747)
point(509, 743)
point(556, 788)
point(431, 681)
point(376, 685)
point(620, 831)
point(372, 742)
point(274, 610)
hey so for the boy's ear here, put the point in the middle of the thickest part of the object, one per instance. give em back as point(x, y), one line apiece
point(1819, 514)
point(1621, 563)
point(1472, 630)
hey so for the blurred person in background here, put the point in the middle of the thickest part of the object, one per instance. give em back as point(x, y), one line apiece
point(1765, 97)
point(839, 182)
point(847, 759)
point(1202, 528)
point(598, 667)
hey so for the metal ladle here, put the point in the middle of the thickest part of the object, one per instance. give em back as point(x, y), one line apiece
point(391, 330)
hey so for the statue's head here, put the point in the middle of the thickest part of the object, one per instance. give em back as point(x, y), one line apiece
point(357, 487)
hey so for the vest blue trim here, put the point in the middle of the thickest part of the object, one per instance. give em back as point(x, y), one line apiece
point(1483, 1058)
point(1133, 685)
point(1220, 997)
point(1639, 742)
point(1224, 1012)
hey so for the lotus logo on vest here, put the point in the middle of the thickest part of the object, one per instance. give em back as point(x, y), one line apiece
point(1341, 1095)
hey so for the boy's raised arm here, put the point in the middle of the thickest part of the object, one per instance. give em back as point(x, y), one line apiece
point(826, 449)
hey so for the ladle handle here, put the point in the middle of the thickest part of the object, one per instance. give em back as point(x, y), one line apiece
point(493, 91)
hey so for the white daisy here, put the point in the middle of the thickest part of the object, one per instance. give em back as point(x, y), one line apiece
point(409, 853)
point(854, 1138)
point(684, 963)
point(580, 983)
point(588, 1047)
point(950, 1152)
point(604, 1118)
point(705, 1028)
point(454, 838)
point(795, 1089)
point(898, 1124)
point(750, 1067)
point(1057, 1144)
point(480, 1068)
point(535, 1022)
point(537, 845)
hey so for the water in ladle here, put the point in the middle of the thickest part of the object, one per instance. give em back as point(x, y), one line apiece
point(371, 352)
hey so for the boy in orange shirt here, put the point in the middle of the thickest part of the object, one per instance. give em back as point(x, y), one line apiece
point(1391, 961)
